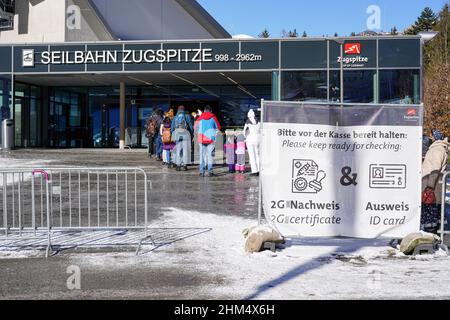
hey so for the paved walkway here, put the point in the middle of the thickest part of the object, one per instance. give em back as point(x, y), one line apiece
point(226, 194)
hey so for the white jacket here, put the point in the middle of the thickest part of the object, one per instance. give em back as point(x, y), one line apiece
point(434, 165)
point(252, 132)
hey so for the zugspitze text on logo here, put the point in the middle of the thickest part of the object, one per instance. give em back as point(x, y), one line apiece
point(355, 60)
point(28, 58)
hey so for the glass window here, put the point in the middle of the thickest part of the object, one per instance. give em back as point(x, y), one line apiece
point(335, 86)
point(358, 86)
point(400, 86)
point(303, 54)
point(5, 97)
point(304, 86)
point(399, 53)
point(275, 86)
point(35, 122)
point(21, 90)
point(35, 92)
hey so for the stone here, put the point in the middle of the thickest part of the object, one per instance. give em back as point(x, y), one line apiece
point(411, 241)
point(256, 236)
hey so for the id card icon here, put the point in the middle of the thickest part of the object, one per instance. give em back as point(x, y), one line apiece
point(387, 176)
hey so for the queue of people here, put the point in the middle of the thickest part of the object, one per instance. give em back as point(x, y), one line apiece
point(172, 137)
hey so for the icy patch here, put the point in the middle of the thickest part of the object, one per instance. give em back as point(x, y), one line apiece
point(22, 254)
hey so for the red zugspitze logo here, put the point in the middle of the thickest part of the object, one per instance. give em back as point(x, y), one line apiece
point(352, 48)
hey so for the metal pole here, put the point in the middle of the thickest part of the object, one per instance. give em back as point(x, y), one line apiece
point(122, 116)
point(20, 202)
point(146, 205)
point(260, 167)
point(98, 199)
point(33, 205)
point(342, 75)
point(49, 243)
point(5, 205)
point(444, 189)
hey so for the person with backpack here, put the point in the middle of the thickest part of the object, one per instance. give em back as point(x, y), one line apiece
point(182, 130)
point(153, 124)
point(207, 127)
point(166, 139)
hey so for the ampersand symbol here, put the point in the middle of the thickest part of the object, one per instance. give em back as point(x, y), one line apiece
point(346, 179)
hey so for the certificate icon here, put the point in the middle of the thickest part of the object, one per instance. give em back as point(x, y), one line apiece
point(306, 176)
point(387, 176)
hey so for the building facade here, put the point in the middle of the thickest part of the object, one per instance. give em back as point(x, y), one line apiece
point(94, 82)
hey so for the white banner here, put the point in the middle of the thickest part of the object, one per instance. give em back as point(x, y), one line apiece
point(333, 171)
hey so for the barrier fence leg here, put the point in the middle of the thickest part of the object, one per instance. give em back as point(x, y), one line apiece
point(443, 202)
point(49, 240)
point(146, 235)
point(5, 206)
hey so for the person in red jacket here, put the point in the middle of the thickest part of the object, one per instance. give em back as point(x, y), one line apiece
point(207, 127)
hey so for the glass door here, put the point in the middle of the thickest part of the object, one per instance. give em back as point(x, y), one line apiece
point(67, 121)
point(59, 132)
point(66, 130)
point(110, 126)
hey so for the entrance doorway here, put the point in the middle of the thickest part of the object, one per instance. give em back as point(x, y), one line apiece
point(67, 120)
point(110, 132)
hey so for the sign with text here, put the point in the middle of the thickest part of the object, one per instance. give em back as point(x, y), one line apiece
point(353, 171)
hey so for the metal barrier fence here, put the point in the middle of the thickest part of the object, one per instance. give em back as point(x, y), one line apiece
point(73, 199)
point(445, 204)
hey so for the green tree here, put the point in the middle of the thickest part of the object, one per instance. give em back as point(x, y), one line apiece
point(437, 75)
point(353, 34)
point(304, 35)
point(336, 34)
point(293, 34)
point(264, 34)
point(394, 31)
point(426, 22)
point(290, 33)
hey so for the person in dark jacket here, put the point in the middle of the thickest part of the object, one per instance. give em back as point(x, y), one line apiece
point(152, 124)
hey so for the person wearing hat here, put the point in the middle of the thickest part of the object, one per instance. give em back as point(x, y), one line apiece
point(182, 130)
point(433, 168)
point(166, 139)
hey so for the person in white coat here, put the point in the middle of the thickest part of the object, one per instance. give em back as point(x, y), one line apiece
point(252, 139)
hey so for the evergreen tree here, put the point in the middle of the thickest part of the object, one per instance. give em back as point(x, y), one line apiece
point(293, 34)
point(304, 35)
point(336, 34)
point(436, 76)
point(394, 31)
point(264, 34)
point(290, 33)
point(353, 34)
point(426, 22)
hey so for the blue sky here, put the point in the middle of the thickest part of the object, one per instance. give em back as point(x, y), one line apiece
point(317, 17)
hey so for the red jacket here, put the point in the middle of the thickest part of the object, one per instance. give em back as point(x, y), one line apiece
point(206, 127)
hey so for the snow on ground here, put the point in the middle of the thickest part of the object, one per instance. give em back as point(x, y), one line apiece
point(8, 163)
point(304, 269)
